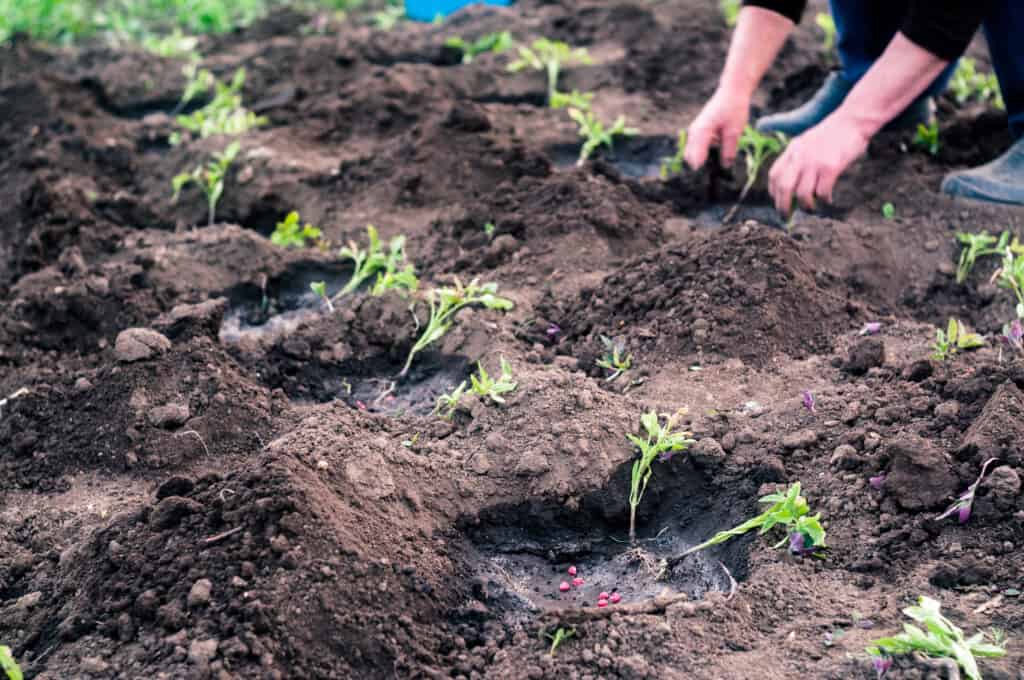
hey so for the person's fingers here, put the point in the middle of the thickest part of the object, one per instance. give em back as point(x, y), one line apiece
point(730, 142)
point(827, 179)
point(784, 184)
point(805, 188)
point(699, 139)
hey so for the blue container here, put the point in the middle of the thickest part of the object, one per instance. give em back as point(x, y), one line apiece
point(426, 10)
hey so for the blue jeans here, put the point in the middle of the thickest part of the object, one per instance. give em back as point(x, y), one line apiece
point(865, 27)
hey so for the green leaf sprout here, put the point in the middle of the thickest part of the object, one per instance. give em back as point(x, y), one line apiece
point(210, 178)
point(492, 42)
point(575, 99)
point(558, 637)
point(968, 83)
point(888, 211)
point(223, 115)
point(927, 137)
point(8, 665)
point(486, 387)
point(956, 338)
point(393, 273)
point(940, 638)
point(673, 165)
point(661, 442)
point(756, 149)
point(614, 359)
point(1011, 274)
point(595, 134)
point(320, 289)
point(788, 511)
point(975, 246)
point(447, 403)
point(549, 56)
point(445, 303)
point(290, 233)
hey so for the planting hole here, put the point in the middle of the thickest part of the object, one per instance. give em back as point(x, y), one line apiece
point(525, 552)
point(636, 157)
point(279, 308)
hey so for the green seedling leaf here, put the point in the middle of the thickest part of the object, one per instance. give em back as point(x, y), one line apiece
point(486, 387)
point(223, 115)
point(558, 637)
point(492, 42)
point(614, 359)
point(927, 137)
point(756, 148)
point(788, 511)
point(289, 233)
point(969, 84)
point(940, 638)
point(661, 442)
point(209, 178)
point(674, 164)
point(1011, 274)
point(575, 99)
point(489, 229)
point(447, 403)
point(549, 56)
point(975, 246)
point(319, 288)
point(956, 338)
point(730, 11)
point(445, 303)
point(595, 134)
point(828, 26)
point(888, 211)
point(390, 266)
point(8, 665)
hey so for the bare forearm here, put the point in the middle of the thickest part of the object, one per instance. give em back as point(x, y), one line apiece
point(759, 35)
point(900, 75)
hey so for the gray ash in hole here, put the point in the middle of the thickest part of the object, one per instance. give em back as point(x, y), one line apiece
point(637, 157)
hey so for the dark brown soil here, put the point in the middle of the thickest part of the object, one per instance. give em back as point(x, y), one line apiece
point(257, 495)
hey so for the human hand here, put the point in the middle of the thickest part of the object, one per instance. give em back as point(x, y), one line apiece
point(812, 163)
point(720, 123)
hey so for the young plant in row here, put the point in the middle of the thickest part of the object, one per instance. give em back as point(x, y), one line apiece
point(595, 134)
point(615, 359)
point(210, 178)
point(756, 149)
point(492, 42)
point(558, 637)
point(449, 401)
point(291, 233)
point(319, 289)
point(223, 115)
point(976, 246)
point(927, 137)
point(445, 303)
point(1012, 337)
point(1011, 276)
point(389, 265)
point(789, 512)
point(575, 100)
point(661, 443)
point(939, 638)
point(968, 83)
point(964, 503)
point(487, 387)
point(673, 165)
point(9, 665)
point(549, 56)
point(956, 338)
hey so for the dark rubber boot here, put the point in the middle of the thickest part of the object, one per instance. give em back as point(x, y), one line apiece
point(1001, 181)
point(826, 100)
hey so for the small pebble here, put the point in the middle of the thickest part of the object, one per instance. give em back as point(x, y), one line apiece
point(564, 586)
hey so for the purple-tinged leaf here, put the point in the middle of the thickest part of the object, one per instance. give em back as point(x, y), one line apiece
point(962, 505)
point(808, 400)
point(553, 330)
point(964, 513)
point(877, 482)
point(871, 328)
point(881, 664)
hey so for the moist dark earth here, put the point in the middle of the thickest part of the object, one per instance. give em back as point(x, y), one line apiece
point(204, 475)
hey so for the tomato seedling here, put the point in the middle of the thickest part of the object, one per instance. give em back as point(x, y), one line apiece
point(927, 137)
point(968, 83)
point(956, 338)
point(210, 178)
point(487, 387)
point(549, 56)
point(661, 443)
point(975, 246)
point(558, 637)
point(614, 359)
point(575, 99)
point(940, 638)
point(756, 148)
point(9, 665)
point(788, 511)
point(1011, 275)
point(223, 115)
point(673, 165)
point(445, 303)
point(290, 233)
point(449, 401)
point(390, 265)
point(888, 211)
point(492, 42)
point(595, 134)
point(964, 503)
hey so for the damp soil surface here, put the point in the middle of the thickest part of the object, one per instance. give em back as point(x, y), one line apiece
point(205, 472)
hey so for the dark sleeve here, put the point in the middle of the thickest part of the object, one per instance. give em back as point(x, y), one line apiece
point(944, 27)
point(791, 9)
